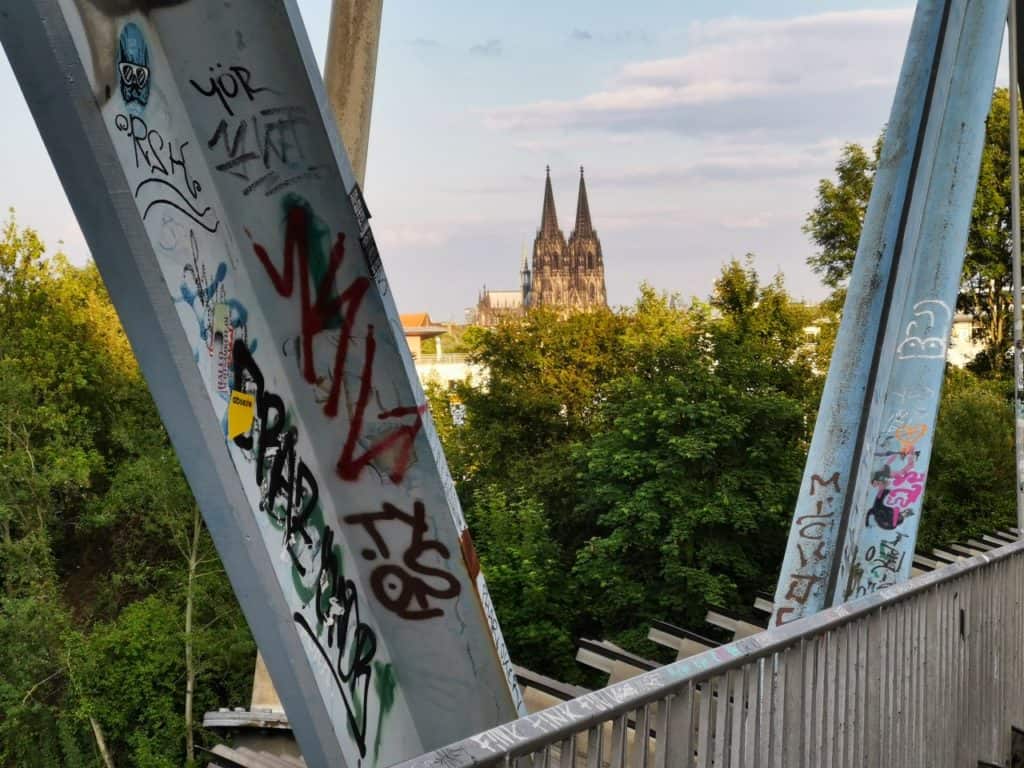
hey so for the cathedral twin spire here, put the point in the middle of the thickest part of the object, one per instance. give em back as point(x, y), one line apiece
point(569, 275)
point(549, 218)
point(583, 226)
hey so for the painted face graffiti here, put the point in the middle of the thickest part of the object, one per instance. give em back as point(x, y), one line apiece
point(133, 71)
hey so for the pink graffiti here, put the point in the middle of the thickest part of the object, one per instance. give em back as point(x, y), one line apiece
point(899, 485)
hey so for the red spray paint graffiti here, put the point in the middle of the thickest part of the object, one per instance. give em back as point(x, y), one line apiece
point(326, 311)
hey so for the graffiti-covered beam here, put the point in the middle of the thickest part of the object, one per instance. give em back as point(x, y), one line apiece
point(195, 144)
point(860, 501)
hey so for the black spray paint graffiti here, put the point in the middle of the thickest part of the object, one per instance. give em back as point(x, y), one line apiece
point(170, 183)
point(228, 84)
point(290, 496)
point(402, 590)
point(811, 548)
point(265, 149)
point(883, 563)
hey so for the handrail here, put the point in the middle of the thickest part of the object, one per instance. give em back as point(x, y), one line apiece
point(427, 358)
point(563, 724)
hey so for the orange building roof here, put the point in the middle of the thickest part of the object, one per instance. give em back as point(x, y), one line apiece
point(417, 320)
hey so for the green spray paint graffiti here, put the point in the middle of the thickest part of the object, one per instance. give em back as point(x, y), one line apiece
point(384, 684)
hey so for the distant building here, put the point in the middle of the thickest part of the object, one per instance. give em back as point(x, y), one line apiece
point(445, 369)
point(417, 329)
point(564, 275)
point(493, 306)
point(963, 346)
point(567, 275)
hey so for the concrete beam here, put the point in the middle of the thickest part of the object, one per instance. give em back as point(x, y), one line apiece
point(350, 71)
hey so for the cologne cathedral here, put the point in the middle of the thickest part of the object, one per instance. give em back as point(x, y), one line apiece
point(567, 276)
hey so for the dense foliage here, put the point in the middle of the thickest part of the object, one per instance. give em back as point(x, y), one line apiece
point(660, 446)
point(103, 558)
point(644, 464)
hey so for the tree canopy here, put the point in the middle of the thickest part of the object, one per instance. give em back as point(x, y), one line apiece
point(834, 227)
point(649, 458)
point(102, 557)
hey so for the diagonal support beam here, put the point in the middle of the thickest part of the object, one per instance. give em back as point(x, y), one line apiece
point(194, 143)
point(860, 501)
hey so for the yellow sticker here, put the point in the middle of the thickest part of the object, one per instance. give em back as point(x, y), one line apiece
point(241, 412)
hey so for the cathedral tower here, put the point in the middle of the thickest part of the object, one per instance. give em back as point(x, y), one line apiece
point(526, 280)
point(584, 256)
point(549, 267)
point(565, 275)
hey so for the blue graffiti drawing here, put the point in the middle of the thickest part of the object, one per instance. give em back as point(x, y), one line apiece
point(133, 65)
point(202, 292)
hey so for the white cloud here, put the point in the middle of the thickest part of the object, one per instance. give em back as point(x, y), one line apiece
point(789, 76)
point(730, 162)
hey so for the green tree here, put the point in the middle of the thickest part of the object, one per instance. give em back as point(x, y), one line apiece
point(453, 341)
point(623, 466)
point(971, 478)
point(692, 473)
point(834, 227)
point(545, 377)
point(526, 578)
point(987, 279)
point(47, 459)
point(99, 538)
point(835, 223)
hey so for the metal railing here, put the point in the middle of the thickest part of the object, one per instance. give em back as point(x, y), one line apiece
point(926, 673)
point(428, 358)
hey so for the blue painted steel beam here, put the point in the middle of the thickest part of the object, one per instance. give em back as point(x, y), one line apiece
point(918, 215)
point(889, 492)
point(814, 532)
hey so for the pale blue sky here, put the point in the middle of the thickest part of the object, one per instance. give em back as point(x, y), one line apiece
point(704, 127)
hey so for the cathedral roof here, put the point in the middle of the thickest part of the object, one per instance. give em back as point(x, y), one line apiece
point(548, 218)
point(504, 299)
point(583, 226)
